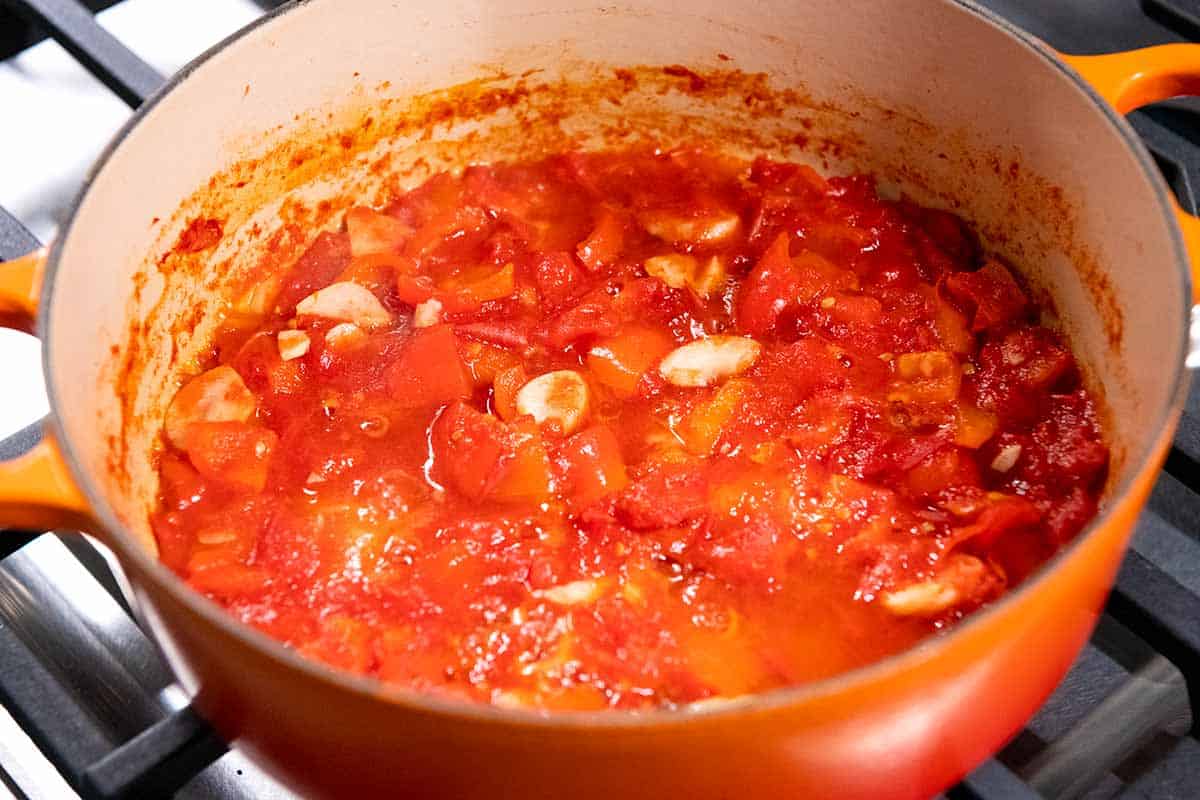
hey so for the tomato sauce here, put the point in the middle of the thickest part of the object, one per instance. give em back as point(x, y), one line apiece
point(626, 429)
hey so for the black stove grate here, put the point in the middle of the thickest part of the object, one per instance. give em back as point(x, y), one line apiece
point(1123, 723)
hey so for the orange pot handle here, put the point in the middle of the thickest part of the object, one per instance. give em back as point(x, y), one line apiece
point(1133, 79)
point(1136, 78)
point(36, 488)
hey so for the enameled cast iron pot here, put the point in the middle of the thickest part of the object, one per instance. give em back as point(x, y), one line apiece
point(328, 102)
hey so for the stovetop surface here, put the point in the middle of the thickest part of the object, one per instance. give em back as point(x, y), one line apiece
point(1118, 726)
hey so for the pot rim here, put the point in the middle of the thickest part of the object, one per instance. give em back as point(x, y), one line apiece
point(368, 688)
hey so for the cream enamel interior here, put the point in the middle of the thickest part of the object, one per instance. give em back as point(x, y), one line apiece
point(940, 121)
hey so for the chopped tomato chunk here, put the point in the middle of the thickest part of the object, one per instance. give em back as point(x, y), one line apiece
point(620, 361)
point(945, 469)
point(235, 453)
point(594, 467)
point(480, 456)
point(770, 288)
point(702, 428)
point(429, 371)
point(468, 448)
point(486, 361)
point(995, 295)
point(505, 387)
point(603, 245)
point(476, 288)
point(557, 279)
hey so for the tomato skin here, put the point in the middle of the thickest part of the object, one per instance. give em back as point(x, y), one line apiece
point(484, 187)
point(996, 520)
point(603, 245)
point(770, 288)
point(838, 243)
point(467, 295)
point(1062, 448)
point(593, 464)
point(1016, 371)
point(594, 315)
point(375, 271)
point(996, 297)
point(234, 453)
point(805, 367)
point(752, 555)
point(262, 369)
point(512, 334)
point(436, 210)
point(1069, 515)
point(429, 371)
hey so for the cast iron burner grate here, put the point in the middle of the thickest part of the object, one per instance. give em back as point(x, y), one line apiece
point(91, 691)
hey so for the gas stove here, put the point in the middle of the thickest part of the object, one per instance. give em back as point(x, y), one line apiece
point(87, 706)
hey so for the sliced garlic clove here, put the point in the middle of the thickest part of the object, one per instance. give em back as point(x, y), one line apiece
point(717, 229)
point(682, 271)
point(573, 593)
point(371, 231)
point(925, 598)
point(675, 270)
point(346, 301)
point(214, 536)
point(960, 578)
point(931, 364)
point(560, 397)
point(292, 344)
point(218, 395)
point(1006, 459)
point(345, 336)
point(713, 228)
point(428, 313)
point(707, 361)
point(709, 276)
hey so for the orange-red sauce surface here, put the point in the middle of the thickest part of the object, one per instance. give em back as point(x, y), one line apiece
point(477, 462)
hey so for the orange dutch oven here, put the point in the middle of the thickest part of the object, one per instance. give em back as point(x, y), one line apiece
point(266, 139)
